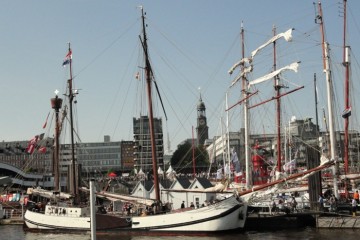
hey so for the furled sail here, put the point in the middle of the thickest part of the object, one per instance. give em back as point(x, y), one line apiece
point(286, 35)
point(242, 61)
point(242, 74)
point(294, 66)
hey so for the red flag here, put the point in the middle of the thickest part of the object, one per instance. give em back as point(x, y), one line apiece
point(42, 150)
point(32, 144)
point(44, 126)
point(30, 148)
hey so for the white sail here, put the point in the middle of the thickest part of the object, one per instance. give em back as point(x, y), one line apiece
point(242, 61)
point(294, 66)
point(286, 35)
point(242, 74)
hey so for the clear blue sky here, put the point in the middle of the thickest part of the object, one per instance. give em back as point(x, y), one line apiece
point(192, 44)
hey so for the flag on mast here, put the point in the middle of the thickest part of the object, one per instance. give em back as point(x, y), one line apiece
point(68, 58)
point(32, 144)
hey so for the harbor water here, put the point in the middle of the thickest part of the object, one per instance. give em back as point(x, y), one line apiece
point(16, 232)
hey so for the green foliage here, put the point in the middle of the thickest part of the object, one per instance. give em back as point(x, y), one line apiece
point(182, 159)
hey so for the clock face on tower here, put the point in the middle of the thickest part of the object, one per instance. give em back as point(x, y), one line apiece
point(202, 122)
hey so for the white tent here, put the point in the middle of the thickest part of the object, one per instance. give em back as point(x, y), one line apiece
point(141, 172)
point(160, 171)
point(170, 170)
point(170, 173)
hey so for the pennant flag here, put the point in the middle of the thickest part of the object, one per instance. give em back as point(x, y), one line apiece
point(44, 126)
point(68, 58)
point(32, 144)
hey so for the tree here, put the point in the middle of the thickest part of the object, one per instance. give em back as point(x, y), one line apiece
point(182, 159)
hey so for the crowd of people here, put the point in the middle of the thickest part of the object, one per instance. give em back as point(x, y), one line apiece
point(284, 204)
point(329, 198)
point(204, 204)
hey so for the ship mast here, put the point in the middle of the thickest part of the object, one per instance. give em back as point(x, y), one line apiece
point(245, 96)
point(247, 84)
point(56, 105)
point(74, 181)
point(316, 109)
point(277, 87)
point(148, 73)
point(346, 114)
point(329, 90)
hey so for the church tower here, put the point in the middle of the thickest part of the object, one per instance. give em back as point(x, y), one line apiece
point(202, 129)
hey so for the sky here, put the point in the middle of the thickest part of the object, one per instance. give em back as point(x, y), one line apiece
point(192, 45)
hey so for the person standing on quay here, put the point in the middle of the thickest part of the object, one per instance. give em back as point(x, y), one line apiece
point(183, 204)
point(356, 196)
point(293, 203)
point(354, 205)
point(321, 203)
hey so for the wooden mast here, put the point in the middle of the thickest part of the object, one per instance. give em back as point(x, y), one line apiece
point(346, 64)
point(148, 73)
point(56, 105)
point(277, 87)
point(74, 182)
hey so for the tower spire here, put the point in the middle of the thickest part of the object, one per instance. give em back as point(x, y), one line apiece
point(202, 128)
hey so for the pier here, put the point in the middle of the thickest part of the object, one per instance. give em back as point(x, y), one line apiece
point(338, 221)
